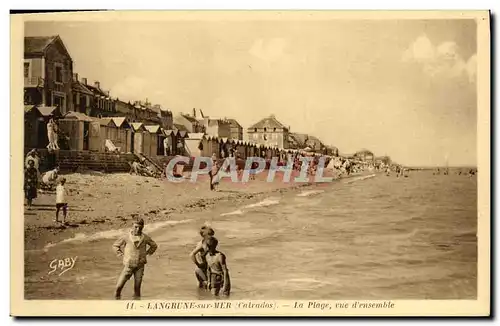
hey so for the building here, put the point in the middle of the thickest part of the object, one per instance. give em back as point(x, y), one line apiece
point(383, 159)
point(126, 109)
point(297, 140)
point(236, 130)
point(331, 150)
point(215, 127)
point(315, 144)
point(190, 122)
point(269, 132)
point(165, 117)
point(102, 105)
point(364, 155)
point(145, 113)
point(48, 73)
point(83, 98)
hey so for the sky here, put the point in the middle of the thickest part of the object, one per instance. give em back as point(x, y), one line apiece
point(403, 88)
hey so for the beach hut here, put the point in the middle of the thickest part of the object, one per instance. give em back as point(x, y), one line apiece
point(192, 144)
point(211, 146)
point(179, 145)
point(240, 149)
point(137, 138)
point(76, 126)
point(35, 124)
point(156, 140)
point(169, 141)
point(98, 136)
point(123, 134)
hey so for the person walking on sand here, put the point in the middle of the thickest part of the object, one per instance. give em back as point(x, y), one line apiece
point(213, 174)
point(30, 183)
point(33, 155)
point(218, 273)
point(61, 202)
point(133, 247)
point(198, 256)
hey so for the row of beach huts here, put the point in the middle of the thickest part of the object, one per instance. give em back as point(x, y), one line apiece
point(80, 132)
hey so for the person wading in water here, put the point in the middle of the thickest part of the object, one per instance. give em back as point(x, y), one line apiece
point(198, 256)
point(133, 248)
point(218, 273)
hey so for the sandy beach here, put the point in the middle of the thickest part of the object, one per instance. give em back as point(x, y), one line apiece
point(99, 202)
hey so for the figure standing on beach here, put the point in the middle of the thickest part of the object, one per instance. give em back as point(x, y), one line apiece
point(133, 247)
point(218, 273)
point(198, 256)
point(34, 156)
point(52, 134)
point(214, 179)
point(30, 183)
point(61, 202)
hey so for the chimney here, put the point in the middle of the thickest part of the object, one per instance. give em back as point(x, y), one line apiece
point(97, 84)
point(75, 77)
point(107, 93)
point(194, 112)
point(84, 80)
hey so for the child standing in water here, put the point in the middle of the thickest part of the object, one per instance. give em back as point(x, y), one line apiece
point(198, 256)
point(218, 274)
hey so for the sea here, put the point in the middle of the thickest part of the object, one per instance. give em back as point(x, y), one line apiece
point(365, 237)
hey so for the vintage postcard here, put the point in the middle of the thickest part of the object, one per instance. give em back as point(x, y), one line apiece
point(250, 163)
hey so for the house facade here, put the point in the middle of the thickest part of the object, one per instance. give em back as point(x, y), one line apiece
point(364, 155)
point(269, 132)
point(102, 105)
point(48, 73)
point(189, 122)
point(83, 98)
point(236, 130)
point(216, 127)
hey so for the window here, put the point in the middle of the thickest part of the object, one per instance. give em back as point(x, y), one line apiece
point(59, 75)
point(26, 69)
point(255, 130)
point(265, 136)
point(274, 129)
point(265, 129)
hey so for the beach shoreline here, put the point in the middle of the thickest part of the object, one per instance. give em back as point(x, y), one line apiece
point(102, 202)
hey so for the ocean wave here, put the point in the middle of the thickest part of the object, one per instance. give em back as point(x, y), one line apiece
point(300, 283)
point(310, 193)
point(264, 203)
point(360, 178)
point(237, 212)
point(111, 234)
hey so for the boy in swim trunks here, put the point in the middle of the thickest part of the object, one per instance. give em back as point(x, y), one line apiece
point(198, 256)
point(218, 274)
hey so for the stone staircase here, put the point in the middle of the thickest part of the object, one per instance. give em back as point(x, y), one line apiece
point(77, 161)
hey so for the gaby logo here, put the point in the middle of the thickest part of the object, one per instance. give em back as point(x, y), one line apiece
point(62, 265)
point(227, 168)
